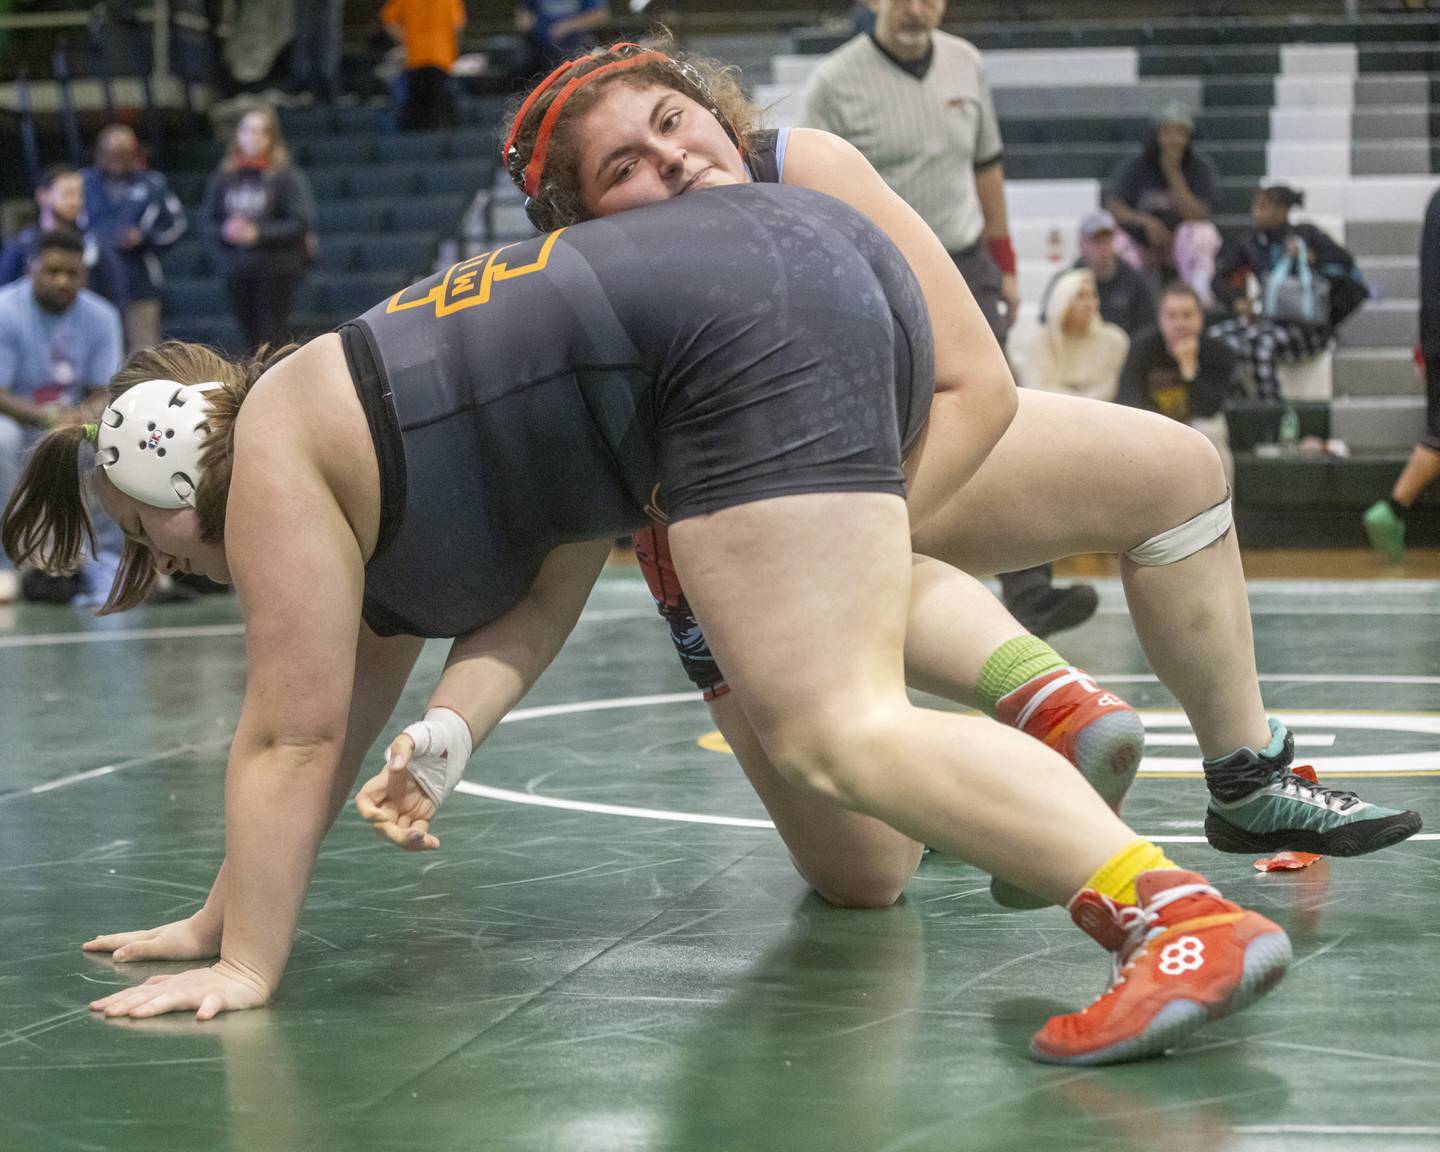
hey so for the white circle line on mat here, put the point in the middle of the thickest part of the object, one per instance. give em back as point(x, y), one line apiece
point(1424, 723)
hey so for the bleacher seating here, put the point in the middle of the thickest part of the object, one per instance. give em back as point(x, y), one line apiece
point(1343, 110)
point(385, 201)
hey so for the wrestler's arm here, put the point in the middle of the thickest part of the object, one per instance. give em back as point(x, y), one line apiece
point(974, 392)
point(298, 570)
point(486, 675)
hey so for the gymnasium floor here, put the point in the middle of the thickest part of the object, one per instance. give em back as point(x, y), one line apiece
point(611, 951)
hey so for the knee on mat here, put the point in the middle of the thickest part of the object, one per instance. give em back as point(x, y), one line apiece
point(879, 886)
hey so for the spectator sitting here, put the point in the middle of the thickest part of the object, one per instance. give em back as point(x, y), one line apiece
point(1162, 199)
point(430, 32)
point(1267, 332)
point(1126, 300)
point(58, 344)
point(1179, 371)
point(61, 199)
point(133, 210)
point(555, 29)
point(1076, 352)
point(260, 218)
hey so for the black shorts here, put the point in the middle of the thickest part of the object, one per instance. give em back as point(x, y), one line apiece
point(804, 360)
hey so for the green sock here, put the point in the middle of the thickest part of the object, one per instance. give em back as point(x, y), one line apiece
point(1014, 663)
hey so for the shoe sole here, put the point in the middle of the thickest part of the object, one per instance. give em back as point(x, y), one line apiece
point(1357, 839)
point(1108, 754)
point(1266, 959)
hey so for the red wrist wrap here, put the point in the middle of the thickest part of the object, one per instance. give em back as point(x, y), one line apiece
point(1003, 253)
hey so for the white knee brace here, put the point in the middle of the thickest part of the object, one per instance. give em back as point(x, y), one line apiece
point(1186, 539)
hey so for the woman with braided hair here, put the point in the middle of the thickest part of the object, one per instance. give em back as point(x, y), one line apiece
point(455, 462)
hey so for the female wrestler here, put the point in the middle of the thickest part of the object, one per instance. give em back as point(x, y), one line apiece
point(633, 125)
point(454, 463)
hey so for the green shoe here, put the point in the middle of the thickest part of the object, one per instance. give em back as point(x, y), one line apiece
point(1385, 529)
point(1258, 805)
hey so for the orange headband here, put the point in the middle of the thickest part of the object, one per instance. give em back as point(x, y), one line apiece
point(536, 168)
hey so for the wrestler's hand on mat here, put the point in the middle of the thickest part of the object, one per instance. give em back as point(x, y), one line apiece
point(395, 804)
point(194, 938)
point(207, 991)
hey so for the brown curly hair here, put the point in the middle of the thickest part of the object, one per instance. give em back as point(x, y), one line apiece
point(46, 520)
point(556, 202)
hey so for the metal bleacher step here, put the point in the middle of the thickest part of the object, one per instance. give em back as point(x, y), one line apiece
point(1377, 423)
point(1393, 277)
point(1381, 324)
point(1368, 238)
point(1376, 372)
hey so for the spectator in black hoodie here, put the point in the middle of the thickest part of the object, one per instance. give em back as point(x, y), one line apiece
point(1267, 340)
point(260, 217)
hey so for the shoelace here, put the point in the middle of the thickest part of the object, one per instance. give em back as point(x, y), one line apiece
point(1142, 928)
point(1332, 798)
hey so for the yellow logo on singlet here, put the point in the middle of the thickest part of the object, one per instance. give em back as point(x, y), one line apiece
point(468, 282)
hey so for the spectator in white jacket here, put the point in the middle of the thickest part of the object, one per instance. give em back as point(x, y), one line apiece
point(1075, 351)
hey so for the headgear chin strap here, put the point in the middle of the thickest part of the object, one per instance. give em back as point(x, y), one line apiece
point(149, 441)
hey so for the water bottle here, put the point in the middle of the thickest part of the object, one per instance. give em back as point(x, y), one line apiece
point(1289, 437)
point(1054, 246)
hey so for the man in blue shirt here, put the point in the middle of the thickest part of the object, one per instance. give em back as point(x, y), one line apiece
point(133, 210)
point(61, 200)
point(58, 343)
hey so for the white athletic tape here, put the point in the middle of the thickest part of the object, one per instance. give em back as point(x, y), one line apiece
point(1186, 539)
point(442, 746)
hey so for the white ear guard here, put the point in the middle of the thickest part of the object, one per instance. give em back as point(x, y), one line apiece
point(149, 441)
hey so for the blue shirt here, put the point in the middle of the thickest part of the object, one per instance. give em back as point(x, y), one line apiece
point(140, 200)
point(548, 13)
point(51, 358)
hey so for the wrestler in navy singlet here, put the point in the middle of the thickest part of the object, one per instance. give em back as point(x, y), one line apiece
point(732, 345)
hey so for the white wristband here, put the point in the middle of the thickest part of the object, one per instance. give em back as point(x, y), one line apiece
point(442, 745)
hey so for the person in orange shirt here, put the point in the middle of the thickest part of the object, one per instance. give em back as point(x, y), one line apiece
point(430, 32)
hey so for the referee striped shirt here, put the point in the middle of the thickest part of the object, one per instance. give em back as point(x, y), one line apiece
point(926, 136)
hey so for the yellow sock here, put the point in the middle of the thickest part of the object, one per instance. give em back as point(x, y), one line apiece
point(1116, 877)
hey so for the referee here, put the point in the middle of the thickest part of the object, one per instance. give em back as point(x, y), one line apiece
point(915, 101)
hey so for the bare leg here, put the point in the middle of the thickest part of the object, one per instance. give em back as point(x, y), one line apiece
point(1075, 476)
point(1420, 471)
point(851, 859)
point(805, 600)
